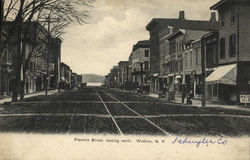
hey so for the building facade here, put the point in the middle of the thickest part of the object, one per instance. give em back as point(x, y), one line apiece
point(54, 62)
point(160, 29)
point(122, 73)
point(233, 49)
point(140, 62)
point(5, 68)
point(114, 77)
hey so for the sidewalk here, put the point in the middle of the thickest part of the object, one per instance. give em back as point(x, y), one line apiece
point(29, 95)
point(197, 103)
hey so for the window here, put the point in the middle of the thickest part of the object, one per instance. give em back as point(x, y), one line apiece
point(176, 66)
point(191, 58)
point(146, 53)
point(215, 90)
point(232, 16)
point(146, 65)
point(222, 48)
point(196, 56)
point(232, 45)
point(222, 19)
point(186, 59)
point(172, 47)
point(181, 65)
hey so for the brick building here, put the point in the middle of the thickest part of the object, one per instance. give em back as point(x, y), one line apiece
point(140, 62)
point(232, 77)
point(160, 29)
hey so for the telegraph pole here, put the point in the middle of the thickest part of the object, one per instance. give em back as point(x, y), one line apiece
point(183, 92)
point(203, 73)
point(1, 24)
point(47, 59)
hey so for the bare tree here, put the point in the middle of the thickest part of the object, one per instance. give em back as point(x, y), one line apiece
point(23, 14)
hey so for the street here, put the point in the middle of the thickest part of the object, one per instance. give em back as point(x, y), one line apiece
point(96, 110)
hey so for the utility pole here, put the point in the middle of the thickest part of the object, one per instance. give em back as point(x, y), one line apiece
point(183, 92)
point(1, 29)
point(203, 73)
point(1, 24)
point(47, 59)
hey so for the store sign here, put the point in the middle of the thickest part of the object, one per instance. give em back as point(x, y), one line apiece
point(244, 98)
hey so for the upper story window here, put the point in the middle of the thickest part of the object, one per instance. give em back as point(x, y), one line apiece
point(232, 45)
point(191, 58)
point(232, 19)
point(196, 56)
point(181, 65)
point(186, 59)
point(177, 47)
point(222, 48)
point(176, 66)
point(222, 19)
point(146, 53)
point(172, 47)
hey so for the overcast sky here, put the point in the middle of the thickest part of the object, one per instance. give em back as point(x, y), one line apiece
point(115, 25)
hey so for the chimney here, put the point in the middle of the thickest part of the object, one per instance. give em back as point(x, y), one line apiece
point(213, 17)
point(182, 15)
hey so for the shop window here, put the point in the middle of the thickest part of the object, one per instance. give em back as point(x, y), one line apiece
point(215, 90)
point(222, 48)
point(232, 45)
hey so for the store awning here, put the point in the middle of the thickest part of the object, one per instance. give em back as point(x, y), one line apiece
point(163, 76)
point(156, 75)
point(62, 78)
point(171, 75)
point(224, 75)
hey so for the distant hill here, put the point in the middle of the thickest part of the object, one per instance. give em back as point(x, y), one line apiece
point(92, 78)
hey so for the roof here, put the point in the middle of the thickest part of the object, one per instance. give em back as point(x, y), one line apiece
point(184, 24)
point(227, 2)
point(141, 44)
point(62, 63)
point(124, 62)
point(174, 35)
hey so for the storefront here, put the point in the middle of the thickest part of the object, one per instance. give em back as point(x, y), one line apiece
point(154, 83)
point(221, 84)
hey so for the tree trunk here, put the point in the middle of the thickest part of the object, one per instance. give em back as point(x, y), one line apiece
point(16, 81)
point(17, 62)
point(23, 72)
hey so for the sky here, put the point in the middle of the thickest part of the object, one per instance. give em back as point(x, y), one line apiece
point(115, 26)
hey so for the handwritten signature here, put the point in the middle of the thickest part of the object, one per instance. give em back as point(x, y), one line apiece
point(198, 142)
